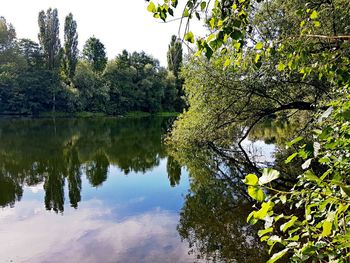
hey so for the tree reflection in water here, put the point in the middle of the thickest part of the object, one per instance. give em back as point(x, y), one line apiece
point(58, 152)
point(213, 218)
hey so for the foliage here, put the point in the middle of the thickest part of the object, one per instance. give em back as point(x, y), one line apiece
point(7, 35)
point(137, 83)
point(94, 52)
point(93, 93)
point(174, 56)
point(32, 53)
point(298, 54)
point(38, 78)
point(49, 37)
point(316, 224)
point(70, 55)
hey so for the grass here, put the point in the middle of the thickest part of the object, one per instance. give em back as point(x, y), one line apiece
point(82, 114)
point(141, 114)
point(168, 114)
point(137, 114)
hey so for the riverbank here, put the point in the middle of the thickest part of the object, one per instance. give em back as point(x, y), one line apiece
point(85, 114)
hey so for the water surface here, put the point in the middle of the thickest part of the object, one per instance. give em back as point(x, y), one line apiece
point(105, 190)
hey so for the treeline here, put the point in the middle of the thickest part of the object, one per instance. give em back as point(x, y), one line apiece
point(47, 76)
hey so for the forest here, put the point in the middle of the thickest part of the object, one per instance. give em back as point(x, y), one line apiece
point(48, 76)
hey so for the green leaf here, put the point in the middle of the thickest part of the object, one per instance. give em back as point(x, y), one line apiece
point(314, 14)
point(227, 63)
point(265, 231)
point(264, 238)
point(210, 37)
point(257, 58)
point(328, 224)
point(346, 190)
point(259, 46)
point(289, 224)
point(277, 255)
point(203, 5)
point(324, 160)
point(296, 140)
point(237, 46)
point(186, 13)
point(250, 216)
point(236, 35)
point(151, 7)
point(265, 208)
point(212, 23)
point(189, 37)
point(198, 16)
point(309, 175)
point(281, 66)
point(317, 24)
point(174, 3)
point(326, 228)
point(290, 158)
point(268, 176)
point(256, 193)
point(251, 179)
point(283, 199)
point(208, 52)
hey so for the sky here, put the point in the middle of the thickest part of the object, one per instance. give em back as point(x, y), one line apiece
point(119, 24)
point(108, 225)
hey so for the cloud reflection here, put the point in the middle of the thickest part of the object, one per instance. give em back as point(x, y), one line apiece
point(91, 234)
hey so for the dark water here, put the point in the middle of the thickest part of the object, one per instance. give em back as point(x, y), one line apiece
point(106, 190)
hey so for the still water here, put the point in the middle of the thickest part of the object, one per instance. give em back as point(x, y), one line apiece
point(105, 190)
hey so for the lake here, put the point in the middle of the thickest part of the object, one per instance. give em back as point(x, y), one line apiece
point(107, 190)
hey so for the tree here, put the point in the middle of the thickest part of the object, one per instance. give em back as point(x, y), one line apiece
point(8, 45)
point(50, 43)
point(174, 56)
point(138, 83)
point(7, 35)
point(280, 44)
point(49, 37)
point(70, 56)
point(32, 52)
point(94, 53)
point(93, 93)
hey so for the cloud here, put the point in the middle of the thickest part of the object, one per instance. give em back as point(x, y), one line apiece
point(90, 234)
point(36, 189)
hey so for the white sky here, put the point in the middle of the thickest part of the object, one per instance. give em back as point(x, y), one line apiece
point(119, 24)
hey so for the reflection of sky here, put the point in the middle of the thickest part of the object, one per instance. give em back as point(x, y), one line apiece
point(136, 192)
point(129, 218)
point(259, 151)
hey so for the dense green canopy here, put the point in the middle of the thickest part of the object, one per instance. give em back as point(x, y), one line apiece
point(38, 78)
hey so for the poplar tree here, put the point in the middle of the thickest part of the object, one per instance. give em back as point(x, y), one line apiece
point(70, 52)
point(174, 56)
point(49, 37)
